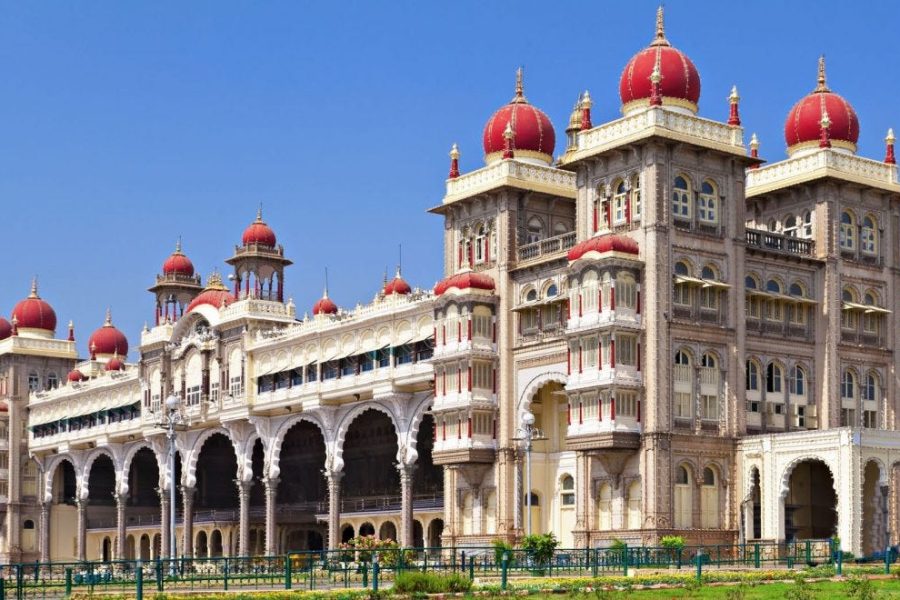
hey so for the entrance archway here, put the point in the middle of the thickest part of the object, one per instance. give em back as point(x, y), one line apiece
point(370, 454)
point(302, 456)
point(875, 513)
point(143, 482)
point(435, 530)
point(216, 471)
point(810, 505)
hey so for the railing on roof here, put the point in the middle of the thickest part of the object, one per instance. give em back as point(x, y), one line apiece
point(766, 240)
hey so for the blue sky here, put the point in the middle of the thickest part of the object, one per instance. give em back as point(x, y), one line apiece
point(125, 125)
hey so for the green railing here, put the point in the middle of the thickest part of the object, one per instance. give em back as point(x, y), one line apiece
point(329, 569)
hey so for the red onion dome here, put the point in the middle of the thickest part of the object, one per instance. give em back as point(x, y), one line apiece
point(678, 79)
point(603, 244)
point(108, 339)
point(465, 281)
point(34, 313)
point(5, 328)
point(214, 294)
point(115, 364)
point(533, 136)
point(259, 233)
point(803, 127)
point(325, 305)
point(397, 285)
point(178, 263)
point(75, 375)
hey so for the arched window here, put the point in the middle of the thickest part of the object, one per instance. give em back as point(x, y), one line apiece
point(871, 394)
point(52, 381)
point(560, 228)
point(709, 500)
point(797, 381)
point(683, 498)
point(752, 383)
point(870, 389)
point(797, 310)
point(681, 199)
point(34, 382)
point(709, 273)
point(604, 507)
point(772, 226)
point(774, 378)
point(567, 491)
point(868, 236)
point(682, 268)
point(552, 291)
point(848, 231)
point(682, 291)
point(872, 319)
point(709, 294)
point(682, 358)
point(774, 305)
point(683, 405)
point(620, 199)
point(636, 197)
point(807, 225)
point(848, 385)
point(634, 505)
point(480, 244)
point(708, 361)
point(790, 226)
point(708, 203)
point(750, 282)
point(531, 296)
point(849, 314)
point(626, 290)
point(535, 230)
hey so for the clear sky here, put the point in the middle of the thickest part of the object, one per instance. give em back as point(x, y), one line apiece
point(125, 125)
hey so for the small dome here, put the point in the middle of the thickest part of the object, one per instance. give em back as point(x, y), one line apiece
point(214, 294)
point(533, 134)
point(325, 305)
point(178, 263)
point(465, 281)
point(5, 328)
point(603, 244)
point(259, 233)
point(803, 126)
point(397, 285)
point(75, 375)
point(679, 81)
point(34, 313)
point(108, 339)
point(115, 364)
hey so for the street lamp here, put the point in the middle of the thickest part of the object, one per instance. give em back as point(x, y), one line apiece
point(173, 419)
point(529, 434)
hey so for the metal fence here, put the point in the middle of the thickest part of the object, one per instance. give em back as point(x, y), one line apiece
point(357, 568)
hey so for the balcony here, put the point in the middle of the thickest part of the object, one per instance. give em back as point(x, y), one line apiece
point(620, 375)
point(458, 449)
point(776, 242)
point(546, 249)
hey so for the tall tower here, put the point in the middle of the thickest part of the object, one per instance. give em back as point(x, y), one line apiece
point(259, 263)
point(175, 287)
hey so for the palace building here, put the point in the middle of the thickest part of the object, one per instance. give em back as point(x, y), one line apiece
point(705, 342)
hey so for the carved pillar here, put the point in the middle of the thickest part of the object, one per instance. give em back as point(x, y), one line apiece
point(271, 484)
point(582, 492)
point(165, 533)
point(120, 525)
point(81, 506)
point(406, 504)
point(244, 525)
point(45, 532)
point(334, 508)
point(187, 526)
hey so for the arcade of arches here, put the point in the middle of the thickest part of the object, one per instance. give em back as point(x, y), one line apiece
point(109, 514)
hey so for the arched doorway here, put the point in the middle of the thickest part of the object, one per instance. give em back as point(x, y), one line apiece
point(201, 546)
point(366, 529)
point(129, 547)
point(418, 534)
point(302, 456)
point(550, 409)
point(370, 454)
point(875, 513)
point(810, 505)
point(215, 543)
point(387, 531)
point(101, 506)
point(435, 530)
point(145, 547)
point(429, 478)
point(143, 483)
point(216, 471)
point(106, 550)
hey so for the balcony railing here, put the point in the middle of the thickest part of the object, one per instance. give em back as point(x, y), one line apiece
point(765, 240)
point(542, 248)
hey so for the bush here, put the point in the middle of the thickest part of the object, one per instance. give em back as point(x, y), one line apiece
point(860, 588)
point(672, 542)
point(414, 582)
point(540, 547)
point(501, 547)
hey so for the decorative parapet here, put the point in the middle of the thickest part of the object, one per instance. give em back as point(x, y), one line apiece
point(660, 122)
point(548, 248)
point(511, 173)
point(21, 344)
point(825, 162)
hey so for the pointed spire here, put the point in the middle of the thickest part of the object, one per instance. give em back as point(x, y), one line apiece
point(34, 288)
point(108, 322)
point(821, 86)
point(754, 150)
point(586, 104)
point(520, 87)
point(259, 213)
point(889, 150)
point(734, 118)
point(71, 337)
point(508, 136)
point(178, 245)
point(660, 38)
point(825, 129)
point(454, 162)
point(325, 292)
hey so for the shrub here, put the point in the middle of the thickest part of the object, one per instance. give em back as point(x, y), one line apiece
point(801, 590)
point(672, 542)
point(540, 547)
point(860, 588)
point(501, 547)
point(414, 582)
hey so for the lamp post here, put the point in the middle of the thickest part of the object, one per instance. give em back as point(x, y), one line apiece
point(528, 433)
point(173, 418)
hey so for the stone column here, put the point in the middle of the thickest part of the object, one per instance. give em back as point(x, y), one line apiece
point(45, 532)
point(582, 506)
point(334, 508)
point(271, 484)
point(406, 504)
point(164, 530)
point(81, 506)
point(120, 525)
point(244, 523)
point(187, 525)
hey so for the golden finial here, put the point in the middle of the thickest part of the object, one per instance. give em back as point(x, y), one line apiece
point(586, 101)
point(454, 152)
point(733, 97)
point(660, 39)
point(520, 86)
point(214, 281)
point(259, 212)
point(34, 292)
point(108, 322)
point(754, 142)
point(178, 245)
point(821, 86)
point(890, 139)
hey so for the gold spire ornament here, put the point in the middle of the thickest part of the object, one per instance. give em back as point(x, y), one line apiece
point(821, 86)
point(520, 87)
point(660, 38)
